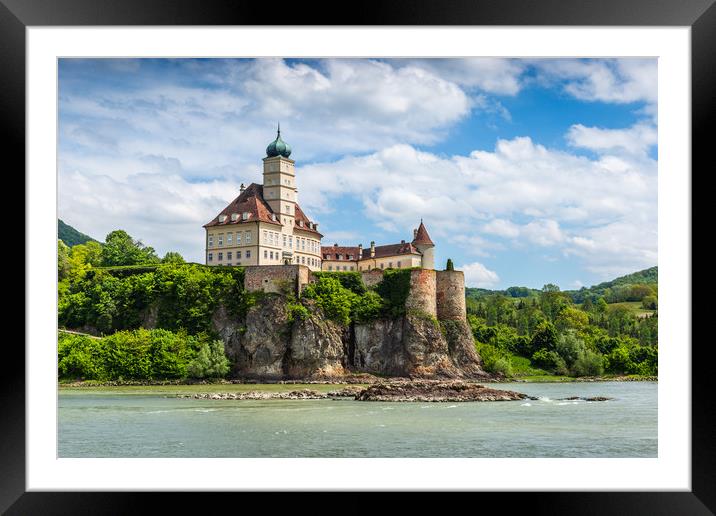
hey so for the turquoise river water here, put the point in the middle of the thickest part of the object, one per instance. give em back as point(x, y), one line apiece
point(111, 424)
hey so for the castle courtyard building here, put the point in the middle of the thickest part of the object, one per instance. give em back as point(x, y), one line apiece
point(420, 252)
point(265, 225)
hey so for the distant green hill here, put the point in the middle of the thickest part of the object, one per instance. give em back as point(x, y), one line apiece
point(614, 290)
point(70, 235)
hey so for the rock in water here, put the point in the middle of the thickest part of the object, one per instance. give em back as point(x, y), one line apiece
point(426, 390)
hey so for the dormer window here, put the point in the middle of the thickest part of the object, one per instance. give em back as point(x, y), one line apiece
point(234, 217)
point(245, 215)
point(222, 218)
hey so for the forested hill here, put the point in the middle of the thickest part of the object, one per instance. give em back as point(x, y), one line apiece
point(623, 288)
point(70, 236)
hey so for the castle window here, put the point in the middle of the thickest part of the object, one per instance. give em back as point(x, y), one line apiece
point(265, 254)
point(228, 255)
point(265, 235)
point(238, 256)
point(248, 253)
point(221, 257)
point(248, 237)
point(303, 260)
point(245, 215)
point(330, 267)
point(211, 240)
point(340, 256)
point(228, 239)
point(284, 241)
point(229, 264)
point(398, 264)
point(326, 256)
point(221, 239)
point(211, 257)
point(290, 241)
point(350, 256)
point(381, 265)
point(351, 267)
point(390, 265)
point(345, 268)
point(271, 255)
point(238, 238)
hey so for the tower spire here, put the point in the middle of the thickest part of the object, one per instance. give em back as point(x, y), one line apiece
point(279, 129)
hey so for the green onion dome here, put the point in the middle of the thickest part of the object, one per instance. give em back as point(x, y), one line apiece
point(278, 147)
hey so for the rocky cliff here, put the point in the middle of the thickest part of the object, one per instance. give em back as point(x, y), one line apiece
point(268, 344)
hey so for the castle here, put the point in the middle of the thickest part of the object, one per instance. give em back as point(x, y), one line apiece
point(266, 226)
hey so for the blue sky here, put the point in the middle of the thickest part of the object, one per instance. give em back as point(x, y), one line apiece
point(525, 172)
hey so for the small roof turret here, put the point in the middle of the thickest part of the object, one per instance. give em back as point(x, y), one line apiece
point(421, 236)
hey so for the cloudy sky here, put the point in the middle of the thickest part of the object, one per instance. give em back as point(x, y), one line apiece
point(525, 172)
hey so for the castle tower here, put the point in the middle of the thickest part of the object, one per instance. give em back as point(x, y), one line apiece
point(280, 190)
point(422, 242)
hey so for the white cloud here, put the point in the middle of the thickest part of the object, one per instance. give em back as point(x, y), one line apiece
point(166, 212)
point(522, 192)
point(606, 80)
point(477, 275)
point(491, 75)
point(636, 140)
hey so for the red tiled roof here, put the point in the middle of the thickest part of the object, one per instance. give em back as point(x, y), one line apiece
point(300, 216)
point(333, 251)
point(381, 251)
point(250, 200)
point(422, 236)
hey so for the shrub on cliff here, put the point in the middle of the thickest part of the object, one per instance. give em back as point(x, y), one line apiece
point(394, 289)
point(186, 296)
point(331, 297)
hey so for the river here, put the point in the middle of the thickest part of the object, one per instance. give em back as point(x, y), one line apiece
point(97, 423)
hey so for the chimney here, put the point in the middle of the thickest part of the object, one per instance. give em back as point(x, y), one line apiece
point(242, 188)
point(402, 241)
point(372, 249)
point(335, 244)
point(415, 234)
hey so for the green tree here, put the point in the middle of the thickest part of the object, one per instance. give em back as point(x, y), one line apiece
point(549, 360)
point(588, 363)
point(121, 249)
point(571, 318)
point(544, 336)
point(331, 297)
point(173, 257)
point(63, 260)
point(570, 347)
point(449, 266)
point(210, 361)
point(649, 302)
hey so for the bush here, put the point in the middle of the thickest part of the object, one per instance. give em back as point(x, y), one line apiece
point(588, 363)
point(570, 347)
point(331, 297)
point(368, 307)
point(550, 361)
point(136, 355)
point(210, 361)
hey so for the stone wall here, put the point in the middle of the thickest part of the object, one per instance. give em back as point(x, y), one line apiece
point(371, 278)
point(450, 295)
point(422, 292)
point(276, 278)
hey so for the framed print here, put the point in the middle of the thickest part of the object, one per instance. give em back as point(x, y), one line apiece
point(418, 251)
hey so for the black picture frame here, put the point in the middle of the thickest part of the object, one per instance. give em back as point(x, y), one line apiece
point(699, 15)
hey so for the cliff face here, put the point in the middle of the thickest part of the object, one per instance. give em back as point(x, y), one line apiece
point(267, 344)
